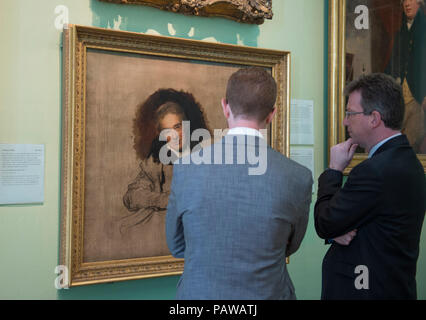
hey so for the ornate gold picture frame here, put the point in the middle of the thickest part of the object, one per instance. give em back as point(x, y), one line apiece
point(340, 61)
point(106, 75)
point(246, 11)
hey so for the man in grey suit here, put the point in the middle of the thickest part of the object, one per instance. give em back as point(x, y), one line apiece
point(235, 226)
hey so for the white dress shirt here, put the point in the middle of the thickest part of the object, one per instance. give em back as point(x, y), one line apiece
point(245, 131)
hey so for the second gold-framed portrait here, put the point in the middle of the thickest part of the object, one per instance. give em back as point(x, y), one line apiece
point(386, 36)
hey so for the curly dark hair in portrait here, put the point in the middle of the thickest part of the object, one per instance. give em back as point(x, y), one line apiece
point(145, 127)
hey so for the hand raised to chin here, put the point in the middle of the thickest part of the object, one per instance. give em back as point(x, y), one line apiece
point(341, 154)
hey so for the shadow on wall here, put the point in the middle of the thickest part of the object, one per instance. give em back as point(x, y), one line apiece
point(145, 19)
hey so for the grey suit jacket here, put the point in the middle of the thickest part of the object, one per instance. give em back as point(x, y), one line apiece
point(234, 229)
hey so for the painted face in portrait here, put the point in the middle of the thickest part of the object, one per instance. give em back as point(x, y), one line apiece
point(170, 116)
point(173, 124)
point(410, 8)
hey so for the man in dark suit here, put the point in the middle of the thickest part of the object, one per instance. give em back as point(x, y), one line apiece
point(233, 222)
point(381, 207)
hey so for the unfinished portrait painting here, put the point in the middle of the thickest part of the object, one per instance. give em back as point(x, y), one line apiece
point(130, 99)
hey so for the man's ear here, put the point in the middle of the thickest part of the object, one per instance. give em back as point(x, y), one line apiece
point(270, 116)
point(376, 119)
point(225, 108)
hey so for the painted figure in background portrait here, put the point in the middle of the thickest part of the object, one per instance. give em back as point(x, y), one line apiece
point(408, 65)
point(166, 109)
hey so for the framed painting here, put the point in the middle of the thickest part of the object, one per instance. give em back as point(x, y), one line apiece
point(386, 36)
point(246, 11)
point(114, 195)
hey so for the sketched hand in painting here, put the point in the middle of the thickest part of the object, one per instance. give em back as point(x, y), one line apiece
point(147, 195)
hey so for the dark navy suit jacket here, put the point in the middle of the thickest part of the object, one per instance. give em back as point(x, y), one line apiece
point(384, 199)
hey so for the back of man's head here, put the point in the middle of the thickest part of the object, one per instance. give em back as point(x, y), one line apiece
point(381, 93)
point(251, 93)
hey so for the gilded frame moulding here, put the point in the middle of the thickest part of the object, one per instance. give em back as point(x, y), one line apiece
point(77, 42)
point(246, 11)
point(336, 80)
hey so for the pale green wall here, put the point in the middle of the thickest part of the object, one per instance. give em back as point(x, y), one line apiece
point(30, 112)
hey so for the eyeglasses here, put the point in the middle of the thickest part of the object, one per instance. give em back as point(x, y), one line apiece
point(351, 113)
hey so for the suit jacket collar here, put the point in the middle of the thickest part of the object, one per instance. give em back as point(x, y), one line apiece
point(400, 140)
point(416, 21)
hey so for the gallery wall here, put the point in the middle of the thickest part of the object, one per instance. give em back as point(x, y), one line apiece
point(30, 112)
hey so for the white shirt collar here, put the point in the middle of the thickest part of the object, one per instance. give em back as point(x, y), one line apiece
point(245, 131)
point(409, 23)
point(378, 145)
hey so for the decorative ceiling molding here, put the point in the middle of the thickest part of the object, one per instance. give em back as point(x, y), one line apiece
point(246, 11)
